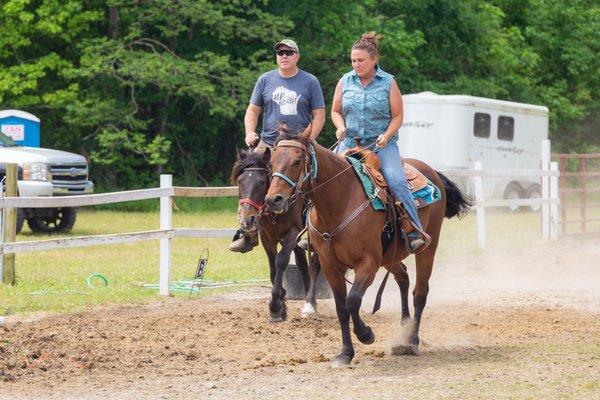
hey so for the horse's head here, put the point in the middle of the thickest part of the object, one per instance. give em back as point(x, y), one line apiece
point(251, 175)
point(289, 164)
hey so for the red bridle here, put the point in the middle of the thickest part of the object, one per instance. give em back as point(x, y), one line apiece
point(261, 208)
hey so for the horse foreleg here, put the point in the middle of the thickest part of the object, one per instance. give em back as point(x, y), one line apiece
point(277, 307)
point(335, 276)
point(364, 275)
point(310, 306)
point(302, 265)
point(270, 248)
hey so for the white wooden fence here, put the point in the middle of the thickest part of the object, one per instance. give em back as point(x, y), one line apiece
point(549, 202)
point(548, 174)
point(165, 234)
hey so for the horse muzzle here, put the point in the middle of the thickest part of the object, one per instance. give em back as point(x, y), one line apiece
point(277, 203)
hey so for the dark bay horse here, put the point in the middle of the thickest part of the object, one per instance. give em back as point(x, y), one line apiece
point(251, 174)
point(346, 234)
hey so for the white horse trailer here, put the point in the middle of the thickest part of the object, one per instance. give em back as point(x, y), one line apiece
point(452, 131)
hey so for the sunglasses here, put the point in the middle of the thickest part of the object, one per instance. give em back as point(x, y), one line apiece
point(288, 53)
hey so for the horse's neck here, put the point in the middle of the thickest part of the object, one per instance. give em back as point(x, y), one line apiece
point(339, 187)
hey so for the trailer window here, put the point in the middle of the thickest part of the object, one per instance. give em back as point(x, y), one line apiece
point(506, 128)
point(482, 125)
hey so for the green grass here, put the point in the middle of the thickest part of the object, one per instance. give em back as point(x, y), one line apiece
point(55, 281)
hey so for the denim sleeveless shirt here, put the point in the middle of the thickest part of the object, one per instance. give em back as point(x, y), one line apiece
point(366, 110)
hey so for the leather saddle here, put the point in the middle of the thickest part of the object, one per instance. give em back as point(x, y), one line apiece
point(372, 166)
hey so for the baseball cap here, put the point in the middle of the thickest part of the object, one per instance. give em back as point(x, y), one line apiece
point(287, 42)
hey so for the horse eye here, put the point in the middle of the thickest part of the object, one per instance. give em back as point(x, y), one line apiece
point(296, 162)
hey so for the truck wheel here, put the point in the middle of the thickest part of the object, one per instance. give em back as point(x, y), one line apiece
point(20, 219)
point(534, 192)
point(53, 220)
point(513, 191)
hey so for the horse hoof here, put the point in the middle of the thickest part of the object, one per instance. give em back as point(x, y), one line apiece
point(341, 361)
point(308, 310)
point(405, 350)
point(368, 336)
point(276, 320)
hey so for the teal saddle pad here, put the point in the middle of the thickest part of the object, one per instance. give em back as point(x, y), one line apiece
point(423, 197)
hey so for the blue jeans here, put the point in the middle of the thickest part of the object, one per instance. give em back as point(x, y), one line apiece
point(391, 168)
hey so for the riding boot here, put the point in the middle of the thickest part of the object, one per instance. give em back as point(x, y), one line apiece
point(417, 239)
point(243, 242)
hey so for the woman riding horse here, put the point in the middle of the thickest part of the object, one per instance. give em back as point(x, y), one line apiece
point(345, 231)
point(367, 110)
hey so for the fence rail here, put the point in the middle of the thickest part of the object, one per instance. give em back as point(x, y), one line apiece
point(584, 177)
point(167, 232)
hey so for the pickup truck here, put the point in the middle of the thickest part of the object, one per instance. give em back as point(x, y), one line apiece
point(46, 172)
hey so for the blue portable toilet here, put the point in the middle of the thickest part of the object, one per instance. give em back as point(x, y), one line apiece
point(21, 126)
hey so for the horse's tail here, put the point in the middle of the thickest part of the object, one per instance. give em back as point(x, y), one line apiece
point(457, 202)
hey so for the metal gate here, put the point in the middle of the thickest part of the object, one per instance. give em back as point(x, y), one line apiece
point(579, 189)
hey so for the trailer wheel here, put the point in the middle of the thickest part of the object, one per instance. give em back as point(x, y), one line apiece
point(53, 220)
point(513, 191)
point(534, 192)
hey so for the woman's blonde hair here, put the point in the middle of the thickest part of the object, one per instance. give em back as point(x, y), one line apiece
point(368, 41)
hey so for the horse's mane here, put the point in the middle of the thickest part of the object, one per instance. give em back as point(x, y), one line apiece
point(246, 159)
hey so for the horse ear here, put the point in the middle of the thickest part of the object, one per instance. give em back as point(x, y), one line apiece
point(306, 134)
point(240, 154)
point(267, 154)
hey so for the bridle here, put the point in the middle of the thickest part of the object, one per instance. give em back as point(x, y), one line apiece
point(309, 173)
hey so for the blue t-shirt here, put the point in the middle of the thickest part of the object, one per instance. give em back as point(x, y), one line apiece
point(289, 100)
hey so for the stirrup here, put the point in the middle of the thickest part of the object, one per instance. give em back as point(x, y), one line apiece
point(417, 245)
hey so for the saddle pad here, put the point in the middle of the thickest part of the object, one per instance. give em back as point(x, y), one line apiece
point(423, 190)
point(368, 186)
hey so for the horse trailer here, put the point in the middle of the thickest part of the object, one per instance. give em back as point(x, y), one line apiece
point(454, 131)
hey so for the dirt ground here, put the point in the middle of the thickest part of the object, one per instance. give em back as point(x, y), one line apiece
point(496, 326)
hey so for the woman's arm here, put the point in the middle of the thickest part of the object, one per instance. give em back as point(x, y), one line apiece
point(397, 113)
point(336, 112)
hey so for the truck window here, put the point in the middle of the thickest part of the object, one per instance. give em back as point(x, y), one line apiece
point(481, 127)
point(506, 128)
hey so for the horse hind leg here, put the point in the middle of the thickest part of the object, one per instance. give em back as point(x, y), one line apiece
point(420, 292)
point(310, 306)
point(400, 273)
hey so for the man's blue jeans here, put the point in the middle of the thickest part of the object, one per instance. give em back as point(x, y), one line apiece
point(393, 172)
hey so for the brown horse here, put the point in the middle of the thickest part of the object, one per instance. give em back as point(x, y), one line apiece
point(251, 174)
point(346, 234)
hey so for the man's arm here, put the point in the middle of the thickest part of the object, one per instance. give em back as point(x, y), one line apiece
point(250, 121)
point(317, 122)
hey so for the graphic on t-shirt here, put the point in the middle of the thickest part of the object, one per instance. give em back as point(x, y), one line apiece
point(287, 100)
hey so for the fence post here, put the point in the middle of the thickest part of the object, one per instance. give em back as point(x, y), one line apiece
point(563, 192)
point(545, 190)
point(554, 205)
point(9, 226)
point(582, 193)
point(166, 222)
point(478, 185)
